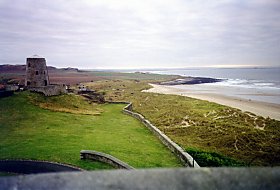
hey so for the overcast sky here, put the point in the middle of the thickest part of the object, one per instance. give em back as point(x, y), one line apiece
point(141, 33)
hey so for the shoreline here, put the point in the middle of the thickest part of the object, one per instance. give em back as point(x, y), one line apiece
point(259, 108)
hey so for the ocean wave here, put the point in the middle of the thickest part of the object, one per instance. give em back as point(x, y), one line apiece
point(258, 84)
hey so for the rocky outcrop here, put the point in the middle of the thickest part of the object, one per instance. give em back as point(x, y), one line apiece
point(191, 80)
point(93, 96)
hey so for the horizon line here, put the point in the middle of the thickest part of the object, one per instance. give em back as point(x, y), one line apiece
point(164, 68)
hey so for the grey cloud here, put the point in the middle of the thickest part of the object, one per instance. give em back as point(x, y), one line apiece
point(91, 34)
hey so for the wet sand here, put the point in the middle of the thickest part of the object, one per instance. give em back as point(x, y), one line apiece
point(257, 107)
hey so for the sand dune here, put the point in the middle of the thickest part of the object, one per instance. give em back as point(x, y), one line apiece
point(259, 108)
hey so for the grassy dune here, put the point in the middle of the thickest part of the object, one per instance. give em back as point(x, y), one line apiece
point(214, 134)
point(66, 103)
point(50, 132)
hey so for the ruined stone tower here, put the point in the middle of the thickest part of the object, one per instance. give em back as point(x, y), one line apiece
point(36, 72)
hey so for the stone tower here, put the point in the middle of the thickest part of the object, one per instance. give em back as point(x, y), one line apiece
point(36, 72)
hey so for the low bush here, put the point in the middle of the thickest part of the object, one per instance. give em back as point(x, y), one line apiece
point(212, 159)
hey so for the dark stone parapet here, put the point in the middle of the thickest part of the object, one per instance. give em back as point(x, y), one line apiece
point(35, 58)
point(191, 80)
point(156, 179)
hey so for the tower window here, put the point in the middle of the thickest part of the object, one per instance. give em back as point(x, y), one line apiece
point(28, 64)
point(28, 83)
point(37, 72)
point(44, 72)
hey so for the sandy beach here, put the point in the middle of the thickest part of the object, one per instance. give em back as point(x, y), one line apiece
point(215, 94)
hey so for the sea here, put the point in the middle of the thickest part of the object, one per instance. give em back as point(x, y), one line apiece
point(259, 84)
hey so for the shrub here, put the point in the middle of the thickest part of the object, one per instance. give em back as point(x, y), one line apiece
point(212, 159)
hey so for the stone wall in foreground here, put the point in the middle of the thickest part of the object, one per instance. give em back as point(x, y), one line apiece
point(157, 179)
point(176, 149)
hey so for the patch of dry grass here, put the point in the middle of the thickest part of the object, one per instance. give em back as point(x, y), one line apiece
point(66, 103)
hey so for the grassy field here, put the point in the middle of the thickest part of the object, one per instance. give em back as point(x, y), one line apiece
point(57, 128)
point(214, 134)
point(130, 76)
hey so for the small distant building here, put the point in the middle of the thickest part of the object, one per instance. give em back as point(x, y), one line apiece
point(36, 72)
point(37, 78)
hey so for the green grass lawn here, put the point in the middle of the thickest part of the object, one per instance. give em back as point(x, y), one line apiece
point(28, 131)
point(220, 135)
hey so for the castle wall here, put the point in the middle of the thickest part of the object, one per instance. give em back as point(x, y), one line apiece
point(50, 90)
